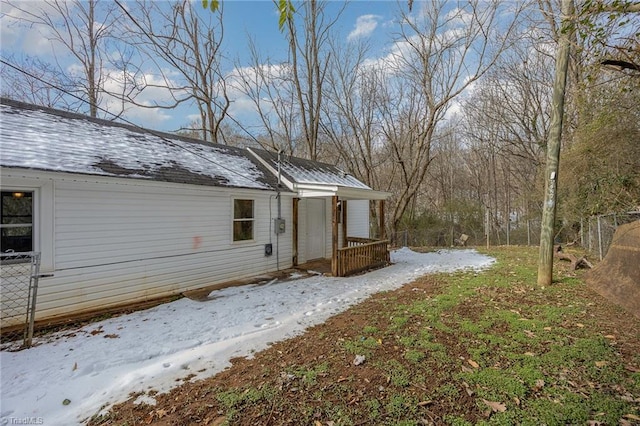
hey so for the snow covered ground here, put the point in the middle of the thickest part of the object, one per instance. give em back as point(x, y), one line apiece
point(72, 375)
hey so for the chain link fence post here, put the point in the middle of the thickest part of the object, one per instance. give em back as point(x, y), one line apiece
point(600, 231)
point(19, 273)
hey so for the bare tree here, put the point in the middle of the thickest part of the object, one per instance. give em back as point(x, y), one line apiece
point(180, 42)
point(32, 80)
point(506, 122)
point(269, 88)
point(351, 113)
point(289, 95)
point(309, 63)
point(85, 30)
point(440, 52)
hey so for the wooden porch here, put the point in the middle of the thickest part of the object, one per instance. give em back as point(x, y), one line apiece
point(356, 254)
point(361, 254)
point(349, 255)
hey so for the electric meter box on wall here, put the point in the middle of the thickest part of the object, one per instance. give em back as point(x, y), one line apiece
point(279, 226)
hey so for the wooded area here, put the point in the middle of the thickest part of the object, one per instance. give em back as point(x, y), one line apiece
point(454, 121)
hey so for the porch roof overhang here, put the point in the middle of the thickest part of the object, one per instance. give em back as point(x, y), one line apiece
point(308, 190)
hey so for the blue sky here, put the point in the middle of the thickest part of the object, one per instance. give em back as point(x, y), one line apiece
point(360, 20)
point(260, 19)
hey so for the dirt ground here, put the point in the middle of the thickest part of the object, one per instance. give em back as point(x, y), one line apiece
point(197, 403)
point(189, 403)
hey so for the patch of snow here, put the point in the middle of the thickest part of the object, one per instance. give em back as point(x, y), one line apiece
point(317, 174)
point(42, 140)
point(102, 363)
point(145, 399)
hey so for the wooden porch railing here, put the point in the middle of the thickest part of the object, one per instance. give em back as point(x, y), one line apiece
point(362, 254)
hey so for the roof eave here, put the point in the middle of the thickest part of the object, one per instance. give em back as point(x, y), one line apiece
point(345, 193)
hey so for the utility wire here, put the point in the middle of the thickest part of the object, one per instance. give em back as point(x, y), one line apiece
point(152, 132)
point(155, 43)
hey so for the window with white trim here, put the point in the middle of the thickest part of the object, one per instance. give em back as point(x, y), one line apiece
point(16, 226)
point(243, 220)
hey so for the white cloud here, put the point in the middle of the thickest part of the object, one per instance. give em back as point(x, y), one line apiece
point(145, 115)
point(148, 117)
point(365, 25)
point(16, 32)
point(459, 18)
point(23, 29)
point(241, 81)
point(395, 59)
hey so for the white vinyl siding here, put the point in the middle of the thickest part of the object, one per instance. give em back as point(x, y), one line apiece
point(119, 241)
point(328, 229)
point(357, 225)
point(358, 218)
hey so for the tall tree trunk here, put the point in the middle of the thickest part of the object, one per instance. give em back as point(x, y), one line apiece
point(545, 265)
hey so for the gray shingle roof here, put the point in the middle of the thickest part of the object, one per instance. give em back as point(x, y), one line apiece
point(39, 138)
point(299, 170)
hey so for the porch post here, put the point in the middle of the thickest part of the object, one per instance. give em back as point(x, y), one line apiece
point(334, 236)
point(383, 233)
point(344, 223)
point(294, 231)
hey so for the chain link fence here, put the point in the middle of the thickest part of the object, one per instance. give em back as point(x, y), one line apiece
point(596, 232)
point(19, 274)
point(518, 233)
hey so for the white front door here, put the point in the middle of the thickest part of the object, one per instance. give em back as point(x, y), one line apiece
point(315, 228)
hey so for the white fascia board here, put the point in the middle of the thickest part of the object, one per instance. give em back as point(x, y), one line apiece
point(317, 190)
point(310, 193)
point(362, 194)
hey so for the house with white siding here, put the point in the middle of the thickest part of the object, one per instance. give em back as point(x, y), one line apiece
point(331, 214)
point(122, 215)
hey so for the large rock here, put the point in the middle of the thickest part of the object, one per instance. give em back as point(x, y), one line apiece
point(617, 277)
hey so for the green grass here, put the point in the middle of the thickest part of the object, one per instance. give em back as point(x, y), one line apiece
point(517, 347)
point(309, 376)
point(492, 336)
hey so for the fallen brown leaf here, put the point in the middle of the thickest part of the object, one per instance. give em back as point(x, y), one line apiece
point(473, 363)
point(495, 406)
point(149, 419)
point(467, 388)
